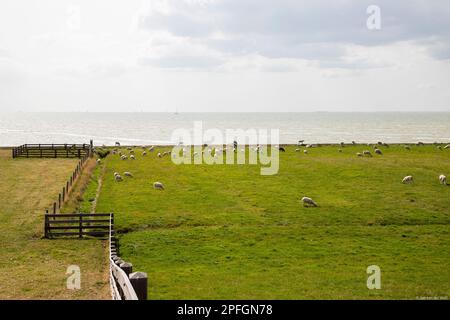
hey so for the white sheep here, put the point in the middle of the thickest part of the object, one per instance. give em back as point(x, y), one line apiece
point(118, 178)
point(305, 151)
point(443, 179)
point(151, 148)
point(159, 155)
point(307, 202)
point(447, 146)
point(123, 157)
point(132, 157)
point(128, 174)
point(144, 153)
point(408, 179)
point(378, 151)
point(158, 186)
point(359, 154)
point(367, 153)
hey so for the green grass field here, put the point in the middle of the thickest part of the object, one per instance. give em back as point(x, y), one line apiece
point(226, 232)
point(32, 267)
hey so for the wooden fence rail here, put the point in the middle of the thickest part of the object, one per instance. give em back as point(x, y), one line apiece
point(52, 150)
point(77, 224)
point(68, 186)
point(125, 284)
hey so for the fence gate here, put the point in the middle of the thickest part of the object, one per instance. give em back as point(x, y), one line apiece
point(78, 224)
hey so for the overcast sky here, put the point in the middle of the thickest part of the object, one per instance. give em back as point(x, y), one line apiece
point(224, 55)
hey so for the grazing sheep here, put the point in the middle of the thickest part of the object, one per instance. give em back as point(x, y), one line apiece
point(439, 148)
point(132, 157)
point(158, 186)
point(378, 151)
point(128, 174)
point(447, 146)
point(297, 150)
point(118, 178)
point(305, 151)
point(281, 149)
point(407, 179)
point(359, 154)
point(159, 155)
point(151, 148)
point(131, 151)
point(123, 157)
point(443, 179)
point(367, 153)
point(308, 202)
point(144, 153)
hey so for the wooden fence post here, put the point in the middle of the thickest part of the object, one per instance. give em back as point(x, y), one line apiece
point(80, 234)
point(59, 201)
point(63, 194)
point(139, 282)
point(54, 208)
point(127, 268)
point(46, 226)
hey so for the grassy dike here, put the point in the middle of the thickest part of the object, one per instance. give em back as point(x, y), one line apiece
point(226, 232)
point(32, 267)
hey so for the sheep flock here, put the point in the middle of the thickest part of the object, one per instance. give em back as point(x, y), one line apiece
point(129, 153)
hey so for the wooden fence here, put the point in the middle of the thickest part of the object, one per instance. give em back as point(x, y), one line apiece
point(52, 150)
point(125, 284)
point(68, 186)
point(78, 224)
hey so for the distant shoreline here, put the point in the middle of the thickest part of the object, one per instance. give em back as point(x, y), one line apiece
point(314, 145)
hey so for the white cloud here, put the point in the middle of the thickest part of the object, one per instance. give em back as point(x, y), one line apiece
point(220, 55)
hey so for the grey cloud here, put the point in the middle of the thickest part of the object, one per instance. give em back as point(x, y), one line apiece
point(313, 30)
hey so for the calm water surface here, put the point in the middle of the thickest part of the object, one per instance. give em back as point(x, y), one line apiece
point(157, 128)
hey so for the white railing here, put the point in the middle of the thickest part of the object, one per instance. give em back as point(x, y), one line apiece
point(121, 288)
